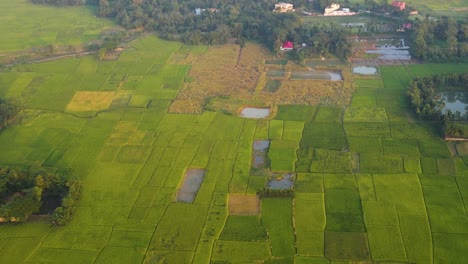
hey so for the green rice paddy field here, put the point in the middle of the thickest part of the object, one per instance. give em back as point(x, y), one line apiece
point(26, 26)
point(371, 183)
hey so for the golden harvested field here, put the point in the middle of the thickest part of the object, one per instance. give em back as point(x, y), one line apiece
point(90, 101)
point(240, 75)
point(240, 204)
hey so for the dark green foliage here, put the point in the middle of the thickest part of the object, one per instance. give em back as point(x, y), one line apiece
point(440, 40)
point(9, 108)
point(424, 96)
point(243, 228)
point(23, 192)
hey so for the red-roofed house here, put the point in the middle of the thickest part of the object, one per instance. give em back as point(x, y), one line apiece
point(287, 45)
point(399, 4)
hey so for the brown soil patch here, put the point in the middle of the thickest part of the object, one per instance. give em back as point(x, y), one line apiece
point(240, 204)
point(90, 101)
point(225, 72)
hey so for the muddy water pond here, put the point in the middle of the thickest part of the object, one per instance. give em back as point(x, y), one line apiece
point(192, 181)
point(281, 182)
point(455, 101)
point(316, 75)
point(254, 112)
point(365, 70)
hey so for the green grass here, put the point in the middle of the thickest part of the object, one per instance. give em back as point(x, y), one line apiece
point(26, 25)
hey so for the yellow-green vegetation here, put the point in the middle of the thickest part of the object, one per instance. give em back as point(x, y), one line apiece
point(370, 183)
point(25, 26)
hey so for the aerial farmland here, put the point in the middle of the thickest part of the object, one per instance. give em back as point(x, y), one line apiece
point(223, 153)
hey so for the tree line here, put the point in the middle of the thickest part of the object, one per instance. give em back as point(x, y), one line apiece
point(440, 40)
point(23, 192)
point(424, 95)
point(221, 21)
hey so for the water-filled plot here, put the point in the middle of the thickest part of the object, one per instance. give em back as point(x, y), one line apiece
point(255, 112)
point(191, 184)
point(260, 160)
point(365, 70)
point(281, 181)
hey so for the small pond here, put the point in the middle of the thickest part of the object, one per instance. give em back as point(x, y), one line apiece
point(392, 52)
point(454, 101)
point(316, 75)
point(192, 181)
point(365, 70)
point(253, 112)
point(259, 153)
point(281, 182)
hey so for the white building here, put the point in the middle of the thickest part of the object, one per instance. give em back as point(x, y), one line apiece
point(283, 7)
point(331, 8)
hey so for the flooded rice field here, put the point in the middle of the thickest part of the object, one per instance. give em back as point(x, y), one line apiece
point(259, 156)
point(281, 182)
point(191, 184)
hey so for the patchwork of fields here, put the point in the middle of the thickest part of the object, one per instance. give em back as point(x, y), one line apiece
point(371, 183)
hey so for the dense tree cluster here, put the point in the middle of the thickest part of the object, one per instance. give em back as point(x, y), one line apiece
point(217, 22)
point(440, 40)
point(424, 97)
point(23, 193)
point(9, 108)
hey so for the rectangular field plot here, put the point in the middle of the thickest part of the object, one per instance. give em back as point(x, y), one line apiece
point(386, 243)
point(240, 251)
point(190, 185)
point(403, 190)
point(365, 144)
point(401, 147)
point(328, 114)
point(296, 112)
point(324, 136)
point(243, 228)
point(58, 255)
point(375, 163)
point(346, 246)
point(180, 228)
point(369, 83)
point(365, 114)
point(363, 100)
point(292, 130)
point(367, 129)
point(344, 212)
point(277, 219)
point(331, 161)
point(434, 148)
point(416, 235)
